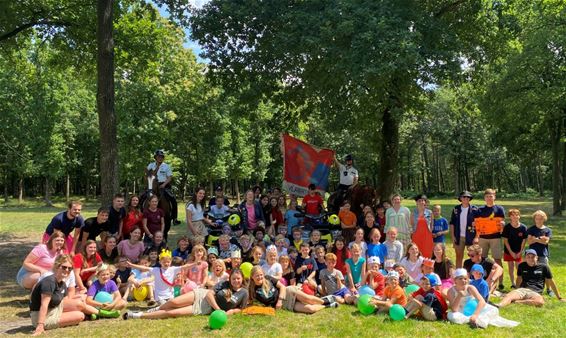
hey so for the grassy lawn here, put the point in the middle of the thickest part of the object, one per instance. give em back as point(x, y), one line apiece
point(21, 227)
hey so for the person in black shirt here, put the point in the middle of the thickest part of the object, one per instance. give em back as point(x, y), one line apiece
point(94, 226)
point(51, 290)
point(531, 278)
point(116, 215)
point(492, 270)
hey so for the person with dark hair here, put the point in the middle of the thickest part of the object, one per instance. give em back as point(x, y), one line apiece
point(195, 214)
point(95, 226)
point(461, 225)
point(116, 215)
point(164, 175)
point(40, 260)
point(67, 221)
point(252, 212)
point(134, 217)
point(219, 194)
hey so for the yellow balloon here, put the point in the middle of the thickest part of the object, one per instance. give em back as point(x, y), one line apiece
point(140, 293)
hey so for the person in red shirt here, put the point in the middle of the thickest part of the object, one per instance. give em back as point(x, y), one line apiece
point(427, 300)
point(312, 202)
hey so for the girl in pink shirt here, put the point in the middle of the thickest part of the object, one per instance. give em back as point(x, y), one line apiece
point(132, 247)
point(197, 274)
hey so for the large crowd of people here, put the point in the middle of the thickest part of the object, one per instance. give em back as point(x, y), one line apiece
point(264, 252)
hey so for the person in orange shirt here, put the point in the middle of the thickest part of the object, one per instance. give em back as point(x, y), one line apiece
point(393, 294)
point(348, 221)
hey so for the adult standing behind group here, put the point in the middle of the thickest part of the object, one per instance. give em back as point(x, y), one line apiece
point(153, 220)
point(67, 221)
point(421, 221)
point(489, 221)
point(40, 260)
point(399, 216)
point(134, 217)
point(95, 226)
point(195, 215)
point(462, 230)
point(116, 215)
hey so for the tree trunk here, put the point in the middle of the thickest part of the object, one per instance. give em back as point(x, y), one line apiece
point(47, 196)
point(68, 188)
point(21, 190)
point(555, 133)
point(563, 188)
point(6, 195)
point(105, 101)
point(389, 154)
point(237, 186)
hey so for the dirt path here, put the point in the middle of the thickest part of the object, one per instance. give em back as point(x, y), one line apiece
point(14, 301)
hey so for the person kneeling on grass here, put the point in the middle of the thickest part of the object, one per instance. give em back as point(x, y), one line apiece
point(271, 292)
point(230, 296)
point(104, 283)
point(46, 303)
point(427, 300)
point(392, 294)
point(531, 278)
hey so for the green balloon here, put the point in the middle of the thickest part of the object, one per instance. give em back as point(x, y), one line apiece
point(411, 288)
point(217, 319)
point(396, 312)
point(364, 305)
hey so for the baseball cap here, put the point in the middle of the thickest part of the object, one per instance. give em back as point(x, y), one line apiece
point(236, 254)
point(460, 273)
point(219, 188)
point(478, 267)
point(432, 279)
point(530, 252)
point(374, 260)
point(389, 263)
point(213, 250)
point(393, 274)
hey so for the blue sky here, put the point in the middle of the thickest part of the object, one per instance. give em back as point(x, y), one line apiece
point(188, 42)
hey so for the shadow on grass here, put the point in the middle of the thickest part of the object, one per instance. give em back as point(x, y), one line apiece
point(26, 329)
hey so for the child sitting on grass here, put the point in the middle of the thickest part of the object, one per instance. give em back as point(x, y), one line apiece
point(481, 285)
point(144, 278)
point(355, 268)
point(217, 275)
point(123, 276)
point(332, 282)
point(392, 294)
point(104, 283)
point(305, 268)
point(183, 248)
point(373, 278)
point(427, 300)
point(288, 278)
point(197, 273)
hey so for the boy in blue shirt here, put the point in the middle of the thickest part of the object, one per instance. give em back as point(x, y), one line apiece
point(440, 226)
point(477, 280)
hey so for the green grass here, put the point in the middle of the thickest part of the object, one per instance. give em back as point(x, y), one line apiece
point(22, 223)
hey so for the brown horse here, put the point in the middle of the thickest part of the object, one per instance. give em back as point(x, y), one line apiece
point(154, 189)
point(359, 196)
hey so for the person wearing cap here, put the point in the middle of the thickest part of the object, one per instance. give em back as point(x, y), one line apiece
point(421, 222)
point(392, 294)
point(219, 194)
point(459, 295)
point(164, 175)
point(531, 279)
point(461, 229)
point(489, 221)
point(373, 278)
point(348, 177)
point(492, 270)
point(481, 285)
point(427, 300)
point(234, 261)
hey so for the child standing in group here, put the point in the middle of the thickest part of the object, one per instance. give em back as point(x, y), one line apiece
point(291, 220)
point(359, 240)
point(315, 239)
point(355, 268)
point(332, 281)
point(375, 247)
point(348, 222)
point(197, 273)
point(394, 247)
point(256, 256)
point(373, 277)
point(246, 247)
point(342, 254)
point(144, 278)
point(439, 226)
point(539, 236)
point(392, 294)
point(514, 239)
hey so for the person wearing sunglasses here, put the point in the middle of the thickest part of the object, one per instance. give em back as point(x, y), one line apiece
point(46, 303)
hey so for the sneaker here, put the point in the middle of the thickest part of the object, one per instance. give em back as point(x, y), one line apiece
point(93, 316)
point(501, 287)
point(176, 222)
point(153, 309)
point(513, 286)
point(128, 314)
point(329, 299)
point(333, 305)
point(151, 303)
point(551, 293)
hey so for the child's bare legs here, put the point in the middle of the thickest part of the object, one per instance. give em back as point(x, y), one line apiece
point(179, 302)
point(511, 268)
point(307, 299)
point(125, 290)
point(307, 308)
point(150, 292)
point(413, 306)
point(76, 304)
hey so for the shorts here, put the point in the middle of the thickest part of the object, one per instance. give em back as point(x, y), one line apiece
point(525, 293)
point(494, 244)
point(343, 292)
point(290, 298)
point(508, 258)
point(200, 229)
point(51, 319)
point(428, 313)
point(200, 305)
point(21, 275)
point(460, 247)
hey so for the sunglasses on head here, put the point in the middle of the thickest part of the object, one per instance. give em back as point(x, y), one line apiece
point(66, 267)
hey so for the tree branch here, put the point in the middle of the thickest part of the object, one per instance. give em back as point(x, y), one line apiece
point(449, 8)
point(43, 22)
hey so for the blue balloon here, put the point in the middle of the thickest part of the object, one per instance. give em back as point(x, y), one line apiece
point(470, 307)
point(103, 297)
point(366, 290)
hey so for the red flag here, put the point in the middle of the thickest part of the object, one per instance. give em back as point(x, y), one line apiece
point(304, 164)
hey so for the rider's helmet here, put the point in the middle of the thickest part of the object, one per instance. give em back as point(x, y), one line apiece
point(158, 152)
point(349, 157)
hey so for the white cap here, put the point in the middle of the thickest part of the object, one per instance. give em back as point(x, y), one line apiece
point(460, 273)
point(374, 260)
point(393, 274)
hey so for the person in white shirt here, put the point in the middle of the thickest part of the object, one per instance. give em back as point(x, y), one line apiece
point(164, 175)
point(461, 228)
point(348, 177)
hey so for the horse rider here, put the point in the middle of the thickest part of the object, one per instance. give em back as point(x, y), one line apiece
point(348, 177)
point(164, 175)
